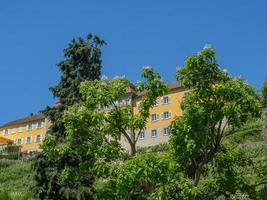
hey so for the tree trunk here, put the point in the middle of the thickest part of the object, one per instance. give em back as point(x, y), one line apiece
point(132, 148)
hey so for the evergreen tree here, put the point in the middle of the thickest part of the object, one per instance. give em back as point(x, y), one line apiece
point(264, 92)
point(82, 62)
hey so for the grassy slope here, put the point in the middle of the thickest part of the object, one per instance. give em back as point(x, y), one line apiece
point(15, 179)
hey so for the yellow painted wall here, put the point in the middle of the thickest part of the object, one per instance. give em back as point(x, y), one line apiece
point(174, 107)
point(33, 145)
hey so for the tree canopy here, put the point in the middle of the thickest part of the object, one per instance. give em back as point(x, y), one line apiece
point(205, 158)
point(82, 62)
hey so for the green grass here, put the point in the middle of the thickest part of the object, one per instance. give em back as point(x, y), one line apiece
point(15, 180)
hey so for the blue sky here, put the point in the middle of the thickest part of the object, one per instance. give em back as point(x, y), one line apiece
point(141, 32)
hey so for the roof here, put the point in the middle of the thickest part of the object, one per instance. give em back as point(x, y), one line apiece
point(30, 118)
point(171, 86)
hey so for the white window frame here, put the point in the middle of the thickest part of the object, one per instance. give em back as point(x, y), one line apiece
point(20, 129)
point(164, 131)
point(6, 131)
point(186, 93)
point(142, 135)
point(163, 117)
point(152, 133)
point(37, 124)
point(37, 137)
point(139, 104)
point(13, 130)
point(28, 126)
point(20, 141)
point(30, 140)
point(157, 103)
point(156, 117)
point(168, 100)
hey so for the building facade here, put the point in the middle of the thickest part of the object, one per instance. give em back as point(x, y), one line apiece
point(27, 132)
point(30, 131)
point(161, 115)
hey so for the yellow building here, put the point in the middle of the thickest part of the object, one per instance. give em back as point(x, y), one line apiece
point(28, 132)
point(161, 116)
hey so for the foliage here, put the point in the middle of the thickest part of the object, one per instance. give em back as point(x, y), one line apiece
point(116, 119)
point(211, 154)
point(252, 131)
point(160, 148)
point(82, 62)
point(15, 180)
point(4, 195)
point(216, 105)
point(147, 176)
point(264, 92)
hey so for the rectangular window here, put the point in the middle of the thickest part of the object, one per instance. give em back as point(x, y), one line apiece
point(29, 126)
point(166, 115)
point(40, 124)
point(186, 93)
point(20, 129)
point(142, 135)
point(38, 138)
point(154, 117)
point(166, 131)
point(6, 132)
point(13, 130)
point(156, 103)
point(122, 102)
point(154, 133)
point(28, 140)
point(19, 141)
point(166, 100)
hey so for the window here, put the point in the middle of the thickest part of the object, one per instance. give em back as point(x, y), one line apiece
point(166, 131)
point(28, 140)
point(29, 126)
point(166, 100)
point(20, 129)
point(142, 135)
point(186, 93)
point(154, 133)
point(40, 124)
point(6, 132)
point(154, 117)
point(13, 130)
point(121, 102)
point(166, 115)
point(156, 103)
point(38, 138)
point(19, 141)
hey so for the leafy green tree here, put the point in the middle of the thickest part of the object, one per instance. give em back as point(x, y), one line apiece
point(216, 105)
point(151, 176)
point(69, 170)
point(264, 92)
point(82, 62)
point(118, 120)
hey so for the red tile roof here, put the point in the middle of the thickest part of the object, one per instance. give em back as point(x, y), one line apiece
point(30, 118)
point(171, 86)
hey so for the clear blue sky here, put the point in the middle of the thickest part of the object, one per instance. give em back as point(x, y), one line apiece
point(139, 32)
